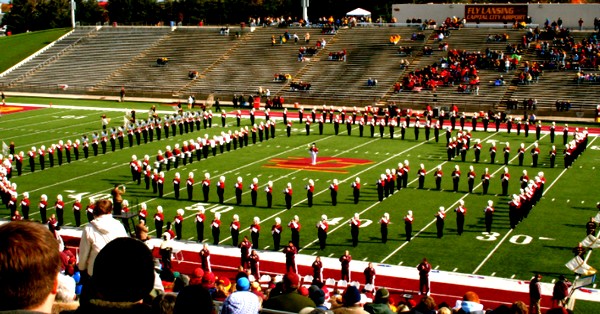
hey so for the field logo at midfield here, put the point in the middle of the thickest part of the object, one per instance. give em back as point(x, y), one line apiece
point(324, 164)
point(7, 109)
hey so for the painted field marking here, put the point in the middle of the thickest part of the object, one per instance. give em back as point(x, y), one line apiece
point(152, 199)
point(433, 221)
point(504, 238)
point(454, 270)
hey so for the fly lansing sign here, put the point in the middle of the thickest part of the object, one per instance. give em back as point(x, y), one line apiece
point(495, 13)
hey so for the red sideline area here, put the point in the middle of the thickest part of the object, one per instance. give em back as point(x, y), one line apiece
point(445, 286)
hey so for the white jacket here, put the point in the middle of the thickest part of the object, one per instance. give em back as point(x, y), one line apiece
point(95, 236)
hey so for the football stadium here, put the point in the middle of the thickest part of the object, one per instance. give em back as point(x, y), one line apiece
point(445, 160)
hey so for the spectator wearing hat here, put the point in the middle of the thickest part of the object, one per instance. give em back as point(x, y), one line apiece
point(290, 300)
point(29, 264)
point(196, 276)
point(224, 287)
point(242, 300)
point(470, 304)
point(208, 282)
point(351, 302)
point(318, 296)
point(108, 292)
point(380, 304)
point(98, 233)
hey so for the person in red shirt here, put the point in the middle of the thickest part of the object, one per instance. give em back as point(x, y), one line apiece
point(356, 189)
point(288, 196)
point(269, 192)
point(369, 273)
point(408, 221)
point(317, 267)
point(16, 216)
point(461, 211)
point(89, 210)
point(238, 191)
point(384, 222)
point(295, 227)
point(206, 186)
point(221, 189)
point(354, 228)
point(216, 228)
point(234, 228)
point(189, 184)
point(176, 184)
point(254, 261)
point(276, 230)
point(489, 216)
point(333, 187)
point(43, 206)
point(245, 247)
point(505, 177)
point(345, 261)
point(255, 232)
point(440, 216)
point(322, 228)
point(25, 204)
point(421, 174)
point(179, 223)
point(254, 191)
point(310, 189)
point(77, 211)
point(471, 178)
point(424, 268)
point(205, 258)
point(159, 219)
point(456, 177)
point(290, 252)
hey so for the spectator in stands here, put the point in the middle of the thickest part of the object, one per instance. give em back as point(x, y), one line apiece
point(318, 296)
point(380, 304)
point(535, 294)
point(98, 233)
point(121, 289)
point(470, 304)
point(351, 302)
point(290, 300)
point(194, 299)
point(29, 266)
point(242, 300)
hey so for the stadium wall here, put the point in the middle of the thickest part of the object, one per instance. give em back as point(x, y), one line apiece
point(570, 13)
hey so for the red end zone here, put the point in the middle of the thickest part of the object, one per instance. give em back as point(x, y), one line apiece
point(8, 109)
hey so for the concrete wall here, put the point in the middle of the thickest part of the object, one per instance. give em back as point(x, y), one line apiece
point(570, 13)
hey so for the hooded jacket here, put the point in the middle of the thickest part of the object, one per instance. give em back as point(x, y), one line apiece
point(95, 236)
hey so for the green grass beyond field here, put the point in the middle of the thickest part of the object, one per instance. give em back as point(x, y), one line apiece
point(18, 47)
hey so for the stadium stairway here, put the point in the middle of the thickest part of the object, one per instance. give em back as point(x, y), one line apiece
point(94, 59)
point(50, 55)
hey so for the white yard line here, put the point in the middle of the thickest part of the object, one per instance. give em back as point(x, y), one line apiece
point(448, 208)
point(511, 230)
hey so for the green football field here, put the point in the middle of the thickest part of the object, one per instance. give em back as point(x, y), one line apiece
point(541, 243)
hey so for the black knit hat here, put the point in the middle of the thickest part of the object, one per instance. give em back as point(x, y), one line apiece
point(123, 271)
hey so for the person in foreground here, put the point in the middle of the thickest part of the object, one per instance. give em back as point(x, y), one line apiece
point(120, 289)
point(29, 267)
point(290, 300)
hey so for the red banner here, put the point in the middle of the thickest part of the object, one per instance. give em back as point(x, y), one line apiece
point(495, 13)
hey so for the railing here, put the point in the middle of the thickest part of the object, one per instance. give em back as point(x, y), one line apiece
point(37, 53)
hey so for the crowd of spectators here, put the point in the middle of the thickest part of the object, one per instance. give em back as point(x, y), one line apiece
point(127, 279)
